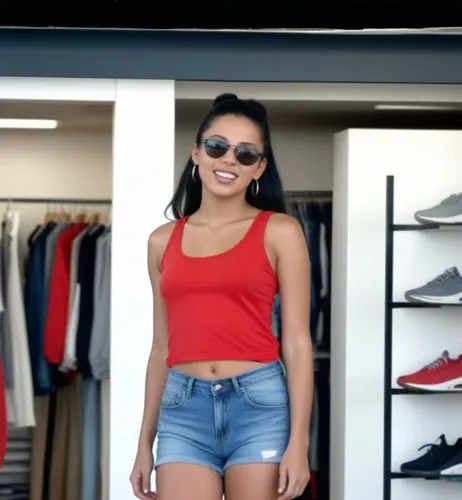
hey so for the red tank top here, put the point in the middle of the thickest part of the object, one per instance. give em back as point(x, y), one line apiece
point(219, 307)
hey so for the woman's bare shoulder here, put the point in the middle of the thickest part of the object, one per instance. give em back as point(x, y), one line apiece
point(159, 237)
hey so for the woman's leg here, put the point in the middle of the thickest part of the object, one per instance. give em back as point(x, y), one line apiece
point(181, 481)
point(252, 482)
point(188, 465)
point(258, 429)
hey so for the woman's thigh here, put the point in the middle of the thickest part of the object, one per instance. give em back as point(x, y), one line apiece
point(252, 482)
point(184, 481)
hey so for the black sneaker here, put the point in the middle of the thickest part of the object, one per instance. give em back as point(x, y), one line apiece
point(440, 458)
point(453, 469)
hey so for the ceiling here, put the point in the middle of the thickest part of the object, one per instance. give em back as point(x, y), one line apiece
point(93, 117)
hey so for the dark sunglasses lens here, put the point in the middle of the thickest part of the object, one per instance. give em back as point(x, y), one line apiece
point(247, 155)
point(216, 148)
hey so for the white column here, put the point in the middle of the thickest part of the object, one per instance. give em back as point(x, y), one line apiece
point(427, 168)
point(143, 162)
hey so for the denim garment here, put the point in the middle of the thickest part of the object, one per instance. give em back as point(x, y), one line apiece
point(223, 422)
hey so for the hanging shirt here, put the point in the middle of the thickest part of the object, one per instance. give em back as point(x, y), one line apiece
point(69, 361)
point(35, 304)
point(49, 259)
point(58, 302)
point(86, 277)
point(100, 333)
point(23, 389)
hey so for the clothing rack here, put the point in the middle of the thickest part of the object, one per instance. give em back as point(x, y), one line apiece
point(308, 195)
point(75, 201)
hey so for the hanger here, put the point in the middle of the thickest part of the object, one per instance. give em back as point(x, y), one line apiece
point(95, 218)
point(51, 215)
point(63, 216)
point(80, 217)
point(67, 215)
point(47, 216)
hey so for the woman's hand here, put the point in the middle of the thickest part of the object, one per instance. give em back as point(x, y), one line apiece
point(141, 475)
point(294, 472)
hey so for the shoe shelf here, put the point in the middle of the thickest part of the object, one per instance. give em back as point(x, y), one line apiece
point(409, 303)
point(421, 305)
point(396, 391)
point(427, 227)
point(401, 475)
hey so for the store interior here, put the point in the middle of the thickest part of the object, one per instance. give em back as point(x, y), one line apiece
point(41, 168)
point(55, 179)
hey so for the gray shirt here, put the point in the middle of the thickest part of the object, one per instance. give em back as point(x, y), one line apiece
point(6, 340)
point(100, 334)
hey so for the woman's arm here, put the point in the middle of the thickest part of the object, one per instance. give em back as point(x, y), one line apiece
point(156, 372)
point(290, 254)
point(293, 271)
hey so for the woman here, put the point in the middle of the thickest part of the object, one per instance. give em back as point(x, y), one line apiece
point(229, 403)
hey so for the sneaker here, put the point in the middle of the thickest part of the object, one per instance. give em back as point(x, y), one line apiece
point(443, 374)
point(446, 288)
point(448, 211)
point(439, 460)
point(453, 468)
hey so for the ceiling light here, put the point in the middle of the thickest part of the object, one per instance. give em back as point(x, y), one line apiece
point(27, 123)
point(415, 107)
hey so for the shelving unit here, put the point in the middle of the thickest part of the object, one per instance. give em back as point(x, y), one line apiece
point(390, 306)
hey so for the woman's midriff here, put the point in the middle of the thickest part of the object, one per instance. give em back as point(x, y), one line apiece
point(211, 370)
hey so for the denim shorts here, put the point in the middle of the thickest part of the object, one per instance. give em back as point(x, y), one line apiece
point(223, 422)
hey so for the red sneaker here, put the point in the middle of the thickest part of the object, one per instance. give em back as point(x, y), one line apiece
point(443, 374)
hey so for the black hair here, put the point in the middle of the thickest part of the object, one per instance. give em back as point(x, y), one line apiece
point(188, 194)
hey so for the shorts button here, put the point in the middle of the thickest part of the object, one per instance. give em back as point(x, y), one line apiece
point(217, 387)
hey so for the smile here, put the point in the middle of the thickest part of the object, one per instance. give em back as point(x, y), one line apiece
point(224, 176)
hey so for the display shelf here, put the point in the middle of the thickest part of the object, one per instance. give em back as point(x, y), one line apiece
point(390, 306)
point(421, 305)
point(401, 391)
point(401, 475)
point(427, 227)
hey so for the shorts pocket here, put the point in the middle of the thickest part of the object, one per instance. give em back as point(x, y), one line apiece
point(173, 396)
point(267, 393)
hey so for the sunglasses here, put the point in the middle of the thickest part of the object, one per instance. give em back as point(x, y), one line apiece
point(246, 154)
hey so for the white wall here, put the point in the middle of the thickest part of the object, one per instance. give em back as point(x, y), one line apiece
point(43, 163)
point(426, 165)
point(338, 322)
point(50, 163)
point(144, 135)
point(303, 150)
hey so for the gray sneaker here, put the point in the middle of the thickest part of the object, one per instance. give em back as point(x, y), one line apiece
point(448, 211)
point(444, 289)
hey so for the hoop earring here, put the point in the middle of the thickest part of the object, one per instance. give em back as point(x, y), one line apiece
point(255, 187)
point(193, 172)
